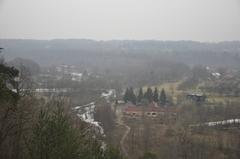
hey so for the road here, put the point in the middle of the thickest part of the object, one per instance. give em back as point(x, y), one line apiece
point(120, 122)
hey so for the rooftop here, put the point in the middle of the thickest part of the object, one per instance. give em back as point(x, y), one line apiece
point(152, 107)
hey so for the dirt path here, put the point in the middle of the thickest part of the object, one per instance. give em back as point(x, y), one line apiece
point(123, 140)
point(120, 122)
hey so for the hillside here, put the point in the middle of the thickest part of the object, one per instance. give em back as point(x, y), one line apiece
point(87, 52)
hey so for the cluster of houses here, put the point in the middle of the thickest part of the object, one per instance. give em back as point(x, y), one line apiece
point(61, 72)
point(152, 110)
point(69, 71)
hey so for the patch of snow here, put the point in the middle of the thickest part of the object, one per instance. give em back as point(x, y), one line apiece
point(216, 74)
point(53, 90)
point(103, 146)
point(121, 102)
point(216, 123)
point(14, 90)
point(86, 113)
point(76, 76)
point(108, 94)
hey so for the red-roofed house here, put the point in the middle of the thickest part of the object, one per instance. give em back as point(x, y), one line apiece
point(152, 110)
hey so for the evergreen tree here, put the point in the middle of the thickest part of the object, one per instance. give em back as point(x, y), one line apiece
point(155, 95)
point(8, 82)
point(126, 96)
point(10, 112)
point(134, 99)
point(55, 137)
point(140, 95)
point(132, 96)
point(149, 95)
point(163, 98)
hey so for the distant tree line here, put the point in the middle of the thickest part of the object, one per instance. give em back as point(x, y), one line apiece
point(145, 97)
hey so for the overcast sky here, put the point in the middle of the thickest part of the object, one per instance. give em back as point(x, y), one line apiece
point(200, 20)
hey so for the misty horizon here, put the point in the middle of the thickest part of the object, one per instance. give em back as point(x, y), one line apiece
point(109, 40)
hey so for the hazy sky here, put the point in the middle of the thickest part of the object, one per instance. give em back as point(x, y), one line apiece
point(201, 20)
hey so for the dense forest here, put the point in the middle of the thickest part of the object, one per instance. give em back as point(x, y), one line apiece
point(106, 53)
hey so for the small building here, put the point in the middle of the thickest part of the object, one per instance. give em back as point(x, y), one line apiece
point(151, 111)
point(76, 76)
point(196, 97)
